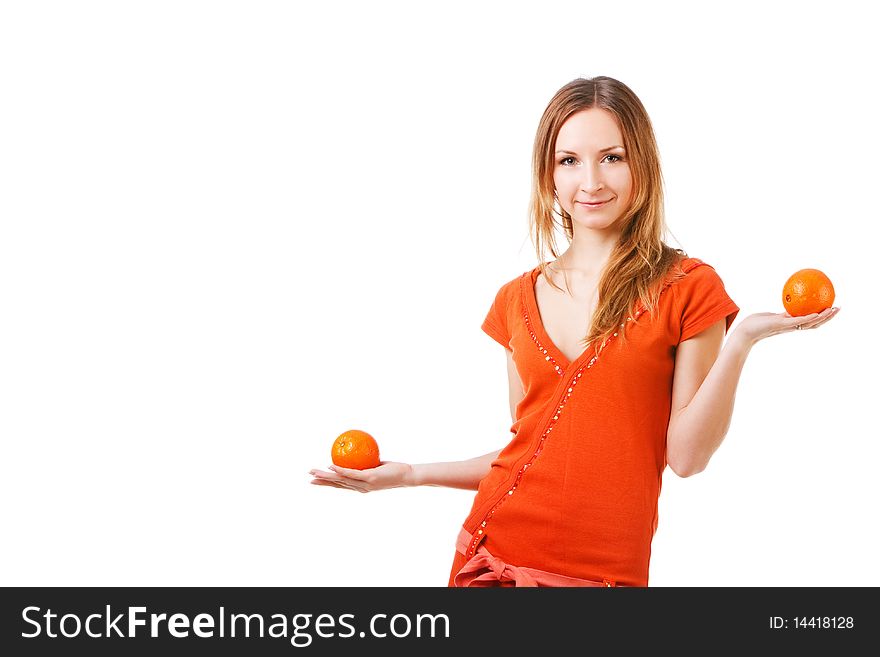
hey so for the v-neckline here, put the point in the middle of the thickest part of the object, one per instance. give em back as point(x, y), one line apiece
point(538, 324)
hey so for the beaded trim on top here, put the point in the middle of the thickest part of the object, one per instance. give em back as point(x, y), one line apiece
point(559, 370)
point(478, 536)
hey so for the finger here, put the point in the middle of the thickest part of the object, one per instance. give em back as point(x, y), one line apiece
point(320, 474)
point(351, 473)
point(821, 321)
point(325, 482)
point(804, 321)
point(335, 478)
point(335, 484)
point(823, 317)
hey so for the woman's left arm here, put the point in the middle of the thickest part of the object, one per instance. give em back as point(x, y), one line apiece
point(704, 384)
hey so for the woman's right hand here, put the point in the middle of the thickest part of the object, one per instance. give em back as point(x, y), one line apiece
point(388, 474)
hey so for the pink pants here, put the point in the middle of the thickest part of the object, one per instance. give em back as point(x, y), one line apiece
point(483, 569)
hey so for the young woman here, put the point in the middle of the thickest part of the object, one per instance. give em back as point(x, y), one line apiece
point(615, 362)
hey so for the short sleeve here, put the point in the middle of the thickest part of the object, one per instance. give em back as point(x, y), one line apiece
point(702, 301)
point(495, 323)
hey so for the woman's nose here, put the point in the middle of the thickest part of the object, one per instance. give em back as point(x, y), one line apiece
point(591, 180)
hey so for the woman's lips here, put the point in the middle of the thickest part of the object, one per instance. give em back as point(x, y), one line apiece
point(592, 206)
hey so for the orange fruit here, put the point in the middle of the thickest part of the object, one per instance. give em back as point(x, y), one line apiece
point(355, 449)
point(807, 291)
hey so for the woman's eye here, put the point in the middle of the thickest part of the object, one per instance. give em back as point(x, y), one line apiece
point(564, 161)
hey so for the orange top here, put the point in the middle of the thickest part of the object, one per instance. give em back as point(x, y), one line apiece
point(576, 490)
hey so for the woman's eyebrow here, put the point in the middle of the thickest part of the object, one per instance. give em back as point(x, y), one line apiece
point(604, 150)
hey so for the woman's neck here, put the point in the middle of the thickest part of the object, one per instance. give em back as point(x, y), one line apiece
point(586, 257)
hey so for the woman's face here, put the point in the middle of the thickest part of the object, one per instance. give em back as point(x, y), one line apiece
point(592, 166)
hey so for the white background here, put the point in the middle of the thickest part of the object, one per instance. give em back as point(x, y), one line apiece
point(232, 230)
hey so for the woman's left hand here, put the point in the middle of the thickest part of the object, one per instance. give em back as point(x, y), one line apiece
point(763, 325)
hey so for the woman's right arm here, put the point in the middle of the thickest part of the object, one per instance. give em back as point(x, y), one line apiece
point(451, 474)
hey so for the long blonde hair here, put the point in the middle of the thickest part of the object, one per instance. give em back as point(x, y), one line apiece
point(641, 260)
